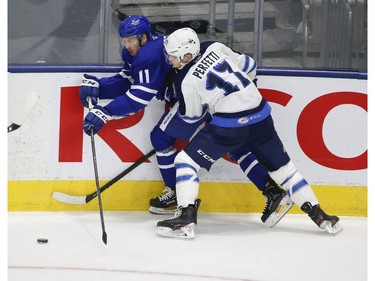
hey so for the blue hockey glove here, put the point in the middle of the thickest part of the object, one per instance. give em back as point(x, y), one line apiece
point(89, 88)
point(96, 118)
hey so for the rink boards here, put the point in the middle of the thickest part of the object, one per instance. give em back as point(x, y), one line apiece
point(135, 195)
point(322, 120)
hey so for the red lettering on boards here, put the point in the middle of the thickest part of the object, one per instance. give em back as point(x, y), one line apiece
point(310, 127)
point(310, 130)
point(71, 132)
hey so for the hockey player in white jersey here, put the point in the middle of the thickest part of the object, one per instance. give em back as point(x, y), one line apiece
point(212, 78)
point(141, 80)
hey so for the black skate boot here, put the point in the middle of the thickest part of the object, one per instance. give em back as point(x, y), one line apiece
point(181, 225)
point(278, 203)
point(321, 219)
point(164, 204)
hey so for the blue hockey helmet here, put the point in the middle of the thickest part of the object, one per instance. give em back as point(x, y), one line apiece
point(135, 25)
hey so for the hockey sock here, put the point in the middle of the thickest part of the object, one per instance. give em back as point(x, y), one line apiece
point(166, 166)
point(252, 168)
point(187, 181)
point(294, 183)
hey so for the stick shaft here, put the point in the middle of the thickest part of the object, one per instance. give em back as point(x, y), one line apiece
point(104, 234)
point(121, 175)
point(24, 111)
point(84, 199)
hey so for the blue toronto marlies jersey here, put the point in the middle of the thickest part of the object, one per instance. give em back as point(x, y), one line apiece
point(139, 82)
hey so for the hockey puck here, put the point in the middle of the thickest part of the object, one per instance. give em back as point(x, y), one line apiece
point(42, 240)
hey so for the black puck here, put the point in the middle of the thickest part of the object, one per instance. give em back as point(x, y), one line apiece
point(42, 240)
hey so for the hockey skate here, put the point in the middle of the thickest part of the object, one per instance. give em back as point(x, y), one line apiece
point(182, 224)
point(321, 219)
point(164, 204)
point(278, 203)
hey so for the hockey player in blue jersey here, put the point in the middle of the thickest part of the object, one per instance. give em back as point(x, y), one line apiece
point(138, 82)
point(211, 78)
point(142, 79)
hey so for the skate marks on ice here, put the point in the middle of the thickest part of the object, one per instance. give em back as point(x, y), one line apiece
point(226, 247)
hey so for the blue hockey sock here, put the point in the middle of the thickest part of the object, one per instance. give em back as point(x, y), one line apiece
point(252, 168)
point(166, 166)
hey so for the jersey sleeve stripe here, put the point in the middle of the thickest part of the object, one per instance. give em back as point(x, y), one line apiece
point(137, 99)
point(247, 62)
point(145, 89)
point(122, 73)
point(254, 67)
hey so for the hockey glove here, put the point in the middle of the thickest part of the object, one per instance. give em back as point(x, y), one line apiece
point(96, 118)
point(89, 88)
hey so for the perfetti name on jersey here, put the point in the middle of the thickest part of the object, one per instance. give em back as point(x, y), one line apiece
point(205, 63)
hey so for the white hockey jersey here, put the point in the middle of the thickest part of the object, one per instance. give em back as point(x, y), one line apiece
point(220, 81)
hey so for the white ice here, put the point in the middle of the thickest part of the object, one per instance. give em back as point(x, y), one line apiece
point(227, 247)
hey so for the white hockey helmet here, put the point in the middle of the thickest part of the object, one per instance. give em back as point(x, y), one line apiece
point(181, 42)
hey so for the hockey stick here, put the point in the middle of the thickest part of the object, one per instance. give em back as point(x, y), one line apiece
point(27, 107)
point(104, 235)
point(82, 200)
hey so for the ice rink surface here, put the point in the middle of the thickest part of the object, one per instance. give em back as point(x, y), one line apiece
point(227, 247)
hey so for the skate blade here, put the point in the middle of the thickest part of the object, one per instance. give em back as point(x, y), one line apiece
point(285, 205)
point(332, 229)
point(161, 211)
point(185, 232)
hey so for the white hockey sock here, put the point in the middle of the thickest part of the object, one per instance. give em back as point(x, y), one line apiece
point(293, 182)
point(305, 194)
point(187, 181)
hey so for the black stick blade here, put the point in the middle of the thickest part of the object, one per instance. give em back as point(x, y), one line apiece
point(104, 237)
point(12, 127)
